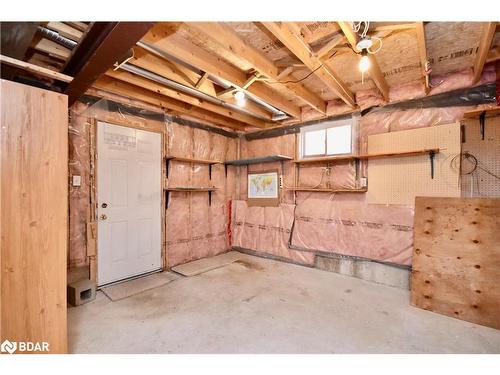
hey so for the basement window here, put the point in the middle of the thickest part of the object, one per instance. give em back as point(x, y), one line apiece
point(328, 139)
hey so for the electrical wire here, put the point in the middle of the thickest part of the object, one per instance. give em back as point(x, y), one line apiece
point(472, 171)
point(296, 81)
point(379, 45)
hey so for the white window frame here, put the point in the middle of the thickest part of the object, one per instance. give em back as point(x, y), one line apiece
point(353, 121)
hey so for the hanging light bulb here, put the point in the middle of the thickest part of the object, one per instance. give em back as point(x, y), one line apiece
point(364, 62)
point(240, 98)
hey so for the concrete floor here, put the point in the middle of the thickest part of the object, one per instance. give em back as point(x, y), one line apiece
point(263, 306)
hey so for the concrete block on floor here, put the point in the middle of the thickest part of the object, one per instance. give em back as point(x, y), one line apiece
point(81, 292)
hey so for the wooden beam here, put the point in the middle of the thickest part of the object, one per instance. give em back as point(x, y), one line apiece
point(81, 26)
point(232, 42)
point(187, 77)
point(35, 69)
point(285, 72)
point(174, 106)
point(202, 79)
point(289, 35)
point(178, 95)
point(396, 26)
point(52, 48)
point(422, 50)
point(65, 30)
point(329, 46)
point(161, 37)
point(111, 45)
point(241, 49)
point(484, 47)
point(375, 72)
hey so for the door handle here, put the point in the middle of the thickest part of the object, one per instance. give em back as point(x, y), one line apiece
point(103, 217)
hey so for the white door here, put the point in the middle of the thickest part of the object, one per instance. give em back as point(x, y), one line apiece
point(129, 202)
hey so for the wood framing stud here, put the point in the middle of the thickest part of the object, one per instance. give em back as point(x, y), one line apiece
point(422, 50)
point(484, 46)
point(44, 72)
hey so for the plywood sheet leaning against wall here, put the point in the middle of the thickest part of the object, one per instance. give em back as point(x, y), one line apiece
point(34, 210)
point(456, 258)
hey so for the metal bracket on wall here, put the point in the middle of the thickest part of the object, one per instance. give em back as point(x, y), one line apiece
point(167, 167)
point(432, 155)
point(482, 119)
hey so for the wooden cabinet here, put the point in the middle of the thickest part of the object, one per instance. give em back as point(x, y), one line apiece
point(34, 215)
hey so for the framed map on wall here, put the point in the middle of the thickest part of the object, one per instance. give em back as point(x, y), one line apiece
point(263, 189)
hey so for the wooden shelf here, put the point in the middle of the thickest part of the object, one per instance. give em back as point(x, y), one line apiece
point(264, 159)
point(193, 160)
point(326, 190)
point(190, 189)
point(489, 112)
point(324, 159)
point(398, 154)
point(330, 159)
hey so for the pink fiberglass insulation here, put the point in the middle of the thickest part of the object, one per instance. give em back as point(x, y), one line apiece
point(267, 230)
point(342, 223)
point(195, 227)
point(79, 165)
point(354, 228)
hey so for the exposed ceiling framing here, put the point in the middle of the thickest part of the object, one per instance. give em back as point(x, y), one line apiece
point(289, 72)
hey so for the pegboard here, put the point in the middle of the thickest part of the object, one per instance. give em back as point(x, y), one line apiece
point(487, 151)
point(398, 180)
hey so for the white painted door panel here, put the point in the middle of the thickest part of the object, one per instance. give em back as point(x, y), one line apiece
point(129, 202)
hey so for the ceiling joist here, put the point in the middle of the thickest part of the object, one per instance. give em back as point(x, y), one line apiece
point(422, 50)
point(170, 105)
point(180, 74)
point(112, 41)
point(234, 44)
point(289, 34)
point(487, 35)
point(178, 95)
point(182, 49)
point(375, 73)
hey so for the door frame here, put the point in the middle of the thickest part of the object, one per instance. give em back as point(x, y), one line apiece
point(94, 164)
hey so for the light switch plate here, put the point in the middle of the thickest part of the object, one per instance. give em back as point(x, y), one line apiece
point(77, 181)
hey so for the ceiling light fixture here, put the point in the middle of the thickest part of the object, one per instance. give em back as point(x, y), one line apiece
point(240, 98)
point(364, 64)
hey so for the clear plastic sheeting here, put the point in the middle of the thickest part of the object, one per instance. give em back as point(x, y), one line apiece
point(383, 233)
point(79, 196)
point(267, 230)
point(340, 223)
point(413, 90)
point(194, 227)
